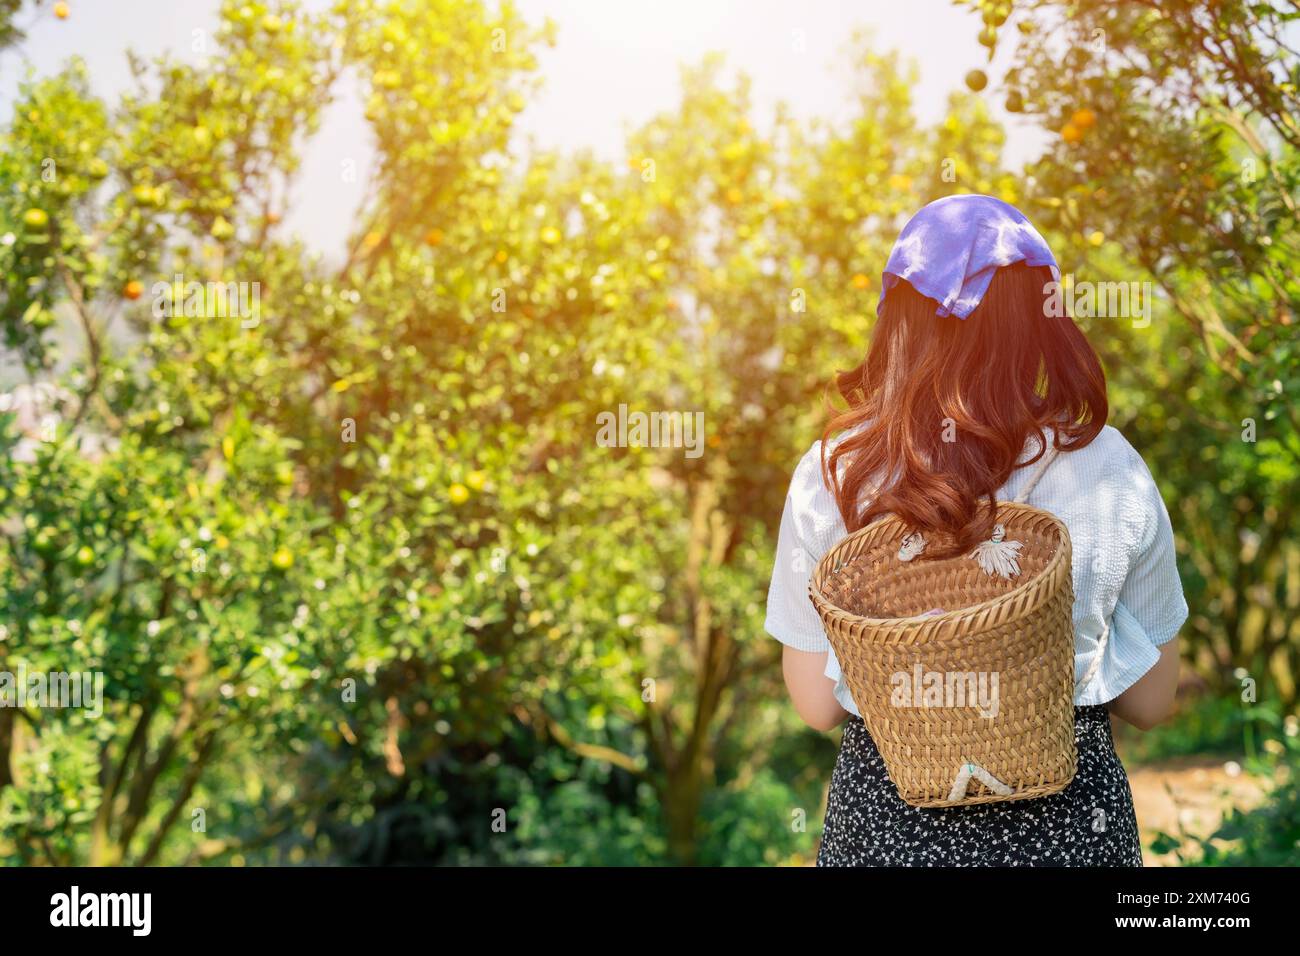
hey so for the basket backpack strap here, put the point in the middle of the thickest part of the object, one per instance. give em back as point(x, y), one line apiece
point(1048, 457)
point(1097, 656)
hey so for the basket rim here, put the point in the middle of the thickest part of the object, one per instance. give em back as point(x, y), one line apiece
point(933, 621)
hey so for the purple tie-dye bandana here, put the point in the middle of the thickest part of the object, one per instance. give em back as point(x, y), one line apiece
point(950, 249)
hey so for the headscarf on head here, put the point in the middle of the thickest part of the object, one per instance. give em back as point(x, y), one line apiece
point(950, 249)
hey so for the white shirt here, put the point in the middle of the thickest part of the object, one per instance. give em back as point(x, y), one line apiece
point(1124, 570)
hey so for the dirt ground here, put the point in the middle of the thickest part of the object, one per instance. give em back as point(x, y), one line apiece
point(1188, 794)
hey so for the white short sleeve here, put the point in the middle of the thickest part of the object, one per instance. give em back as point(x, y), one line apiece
point(1152, 591)
point(810, 524)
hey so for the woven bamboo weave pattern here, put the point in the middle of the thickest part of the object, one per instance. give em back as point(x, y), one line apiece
point(1018, 631)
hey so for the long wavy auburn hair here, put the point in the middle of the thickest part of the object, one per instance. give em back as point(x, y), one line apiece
point(941, 409)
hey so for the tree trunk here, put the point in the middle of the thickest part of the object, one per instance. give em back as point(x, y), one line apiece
point(681, 804)
point(6, 744)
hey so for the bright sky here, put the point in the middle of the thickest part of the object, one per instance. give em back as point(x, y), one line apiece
point(615, 65)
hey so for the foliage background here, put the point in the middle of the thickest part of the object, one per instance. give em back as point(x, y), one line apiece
point(378, 650)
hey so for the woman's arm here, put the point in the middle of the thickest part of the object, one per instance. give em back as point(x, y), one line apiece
point(1151, 700)
point(812, 692)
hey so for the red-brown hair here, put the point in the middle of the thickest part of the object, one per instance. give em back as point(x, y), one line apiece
point(945, 406)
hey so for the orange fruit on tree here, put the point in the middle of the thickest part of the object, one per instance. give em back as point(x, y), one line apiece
point(433, 237)
point(1071, 133)
point(860, 281)
point(1084, 119)
point(133, 289)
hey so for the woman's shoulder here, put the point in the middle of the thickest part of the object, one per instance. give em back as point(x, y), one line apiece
point(1109, 457)
point(1108, 483)
point(808, 479)
point(1108, 466)
point(811, 502)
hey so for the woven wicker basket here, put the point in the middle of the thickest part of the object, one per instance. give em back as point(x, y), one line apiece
point(950, 751)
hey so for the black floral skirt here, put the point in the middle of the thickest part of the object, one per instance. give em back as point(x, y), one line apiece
point(1089, 823)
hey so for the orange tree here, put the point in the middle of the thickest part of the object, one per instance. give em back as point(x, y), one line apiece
point(324, 527)
point(155, 536)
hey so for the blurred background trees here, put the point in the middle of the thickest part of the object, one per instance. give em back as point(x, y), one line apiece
point(362, 583)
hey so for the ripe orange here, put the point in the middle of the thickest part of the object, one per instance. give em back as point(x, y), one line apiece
point(1084, 119)
point(1071, 133)
point(133, 289)
point(433, 237)
point(860, 281)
